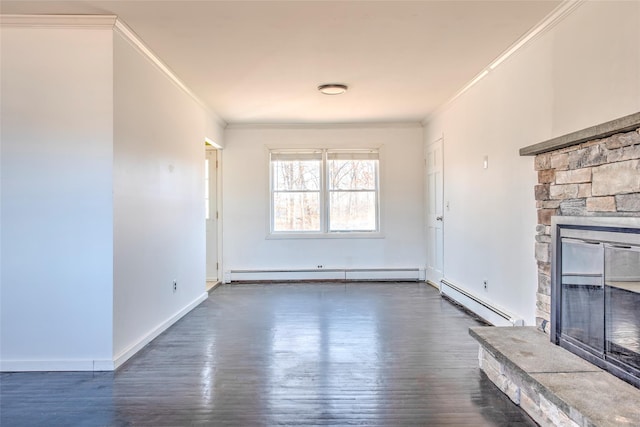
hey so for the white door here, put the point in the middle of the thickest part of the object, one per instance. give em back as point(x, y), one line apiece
point(211, 184)
point(435, 212)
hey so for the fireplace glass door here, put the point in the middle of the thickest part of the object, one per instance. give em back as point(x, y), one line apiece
point(622, 304)
point(595, 311)
point(583, 294)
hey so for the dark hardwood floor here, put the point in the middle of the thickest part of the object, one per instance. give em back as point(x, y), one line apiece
point(388, 354)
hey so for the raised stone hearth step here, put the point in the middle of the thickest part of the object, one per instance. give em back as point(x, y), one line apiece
point(555, 387)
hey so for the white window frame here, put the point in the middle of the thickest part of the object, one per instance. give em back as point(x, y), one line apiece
point(325, 193)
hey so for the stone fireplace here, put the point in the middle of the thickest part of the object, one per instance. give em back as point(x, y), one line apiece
point(588, 298)
point(590, 174)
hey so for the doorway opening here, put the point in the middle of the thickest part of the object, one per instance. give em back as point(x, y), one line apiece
point(212, 216)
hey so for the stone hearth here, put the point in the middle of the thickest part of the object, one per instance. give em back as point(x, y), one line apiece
point(555, 387)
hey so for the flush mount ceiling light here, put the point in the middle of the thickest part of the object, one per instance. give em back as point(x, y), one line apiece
point(333, 89)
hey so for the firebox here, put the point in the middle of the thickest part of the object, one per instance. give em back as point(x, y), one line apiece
point(595, 293)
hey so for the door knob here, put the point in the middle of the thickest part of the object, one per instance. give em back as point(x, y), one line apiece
point(439, 218)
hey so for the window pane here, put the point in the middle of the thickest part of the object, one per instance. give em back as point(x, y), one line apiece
point(352, 211)
point(296, 175)
point(352, 174)
point(296, 211)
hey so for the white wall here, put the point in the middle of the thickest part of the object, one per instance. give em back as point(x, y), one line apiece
point(246, 209)
point(582, 72)
point(56, 290)
point(159, 225)
point(102, 199)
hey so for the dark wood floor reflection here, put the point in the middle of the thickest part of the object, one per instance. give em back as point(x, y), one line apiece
point(390, 354)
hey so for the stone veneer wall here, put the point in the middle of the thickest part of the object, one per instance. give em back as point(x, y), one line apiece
point(600, 177)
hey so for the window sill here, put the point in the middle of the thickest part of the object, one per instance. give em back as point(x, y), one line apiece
point(342, 235)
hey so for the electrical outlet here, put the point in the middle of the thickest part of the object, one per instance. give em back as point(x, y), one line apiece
point(485, 283)
point(175, 286)
point(320, 266)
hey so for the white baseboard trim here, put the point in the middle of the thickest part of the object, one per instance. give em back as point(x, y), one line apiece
point(97, 365)
point(133, 349)
point(373, 274)
point(55, 365)
point(497, 316)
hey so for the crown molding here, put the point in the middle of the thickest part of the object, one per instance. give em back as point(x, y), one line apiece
point(130, 36)
point(58, 21)
point(115, 24)
point(551, 20)
point(319, 126)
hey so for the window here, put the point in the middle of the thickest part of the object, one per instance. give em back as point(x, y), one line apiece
point(353, 191)
point(324, 191)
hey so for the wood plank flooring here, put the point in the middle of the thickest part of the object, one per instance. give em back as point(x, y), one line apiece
point(370, 354)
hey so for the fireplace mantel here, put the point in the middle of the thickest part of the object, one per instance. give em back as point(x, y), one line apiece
point(604, 130)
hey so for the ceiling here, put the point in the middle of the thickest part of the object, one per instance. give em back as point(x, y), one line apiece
point(261, 61)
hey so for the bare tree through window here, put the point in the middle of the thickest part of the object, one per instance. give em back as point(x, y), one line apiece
point(352, 195)
point(303, 202)
point(296, 193)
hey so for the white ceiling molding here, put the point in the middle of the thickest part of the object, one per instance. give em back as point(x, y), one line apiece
point(104, 22)
point(58, 21)
point(129, 35)
point(357, 125)
point(557, 15)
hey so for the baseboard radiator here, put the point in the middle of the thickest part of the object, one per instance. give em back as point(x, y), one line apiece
point(487, 311)
point(327, 274)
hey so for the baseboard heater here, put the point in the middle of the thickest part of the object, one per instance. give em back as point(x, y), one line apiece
point(492, 314)
point(326, 274)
